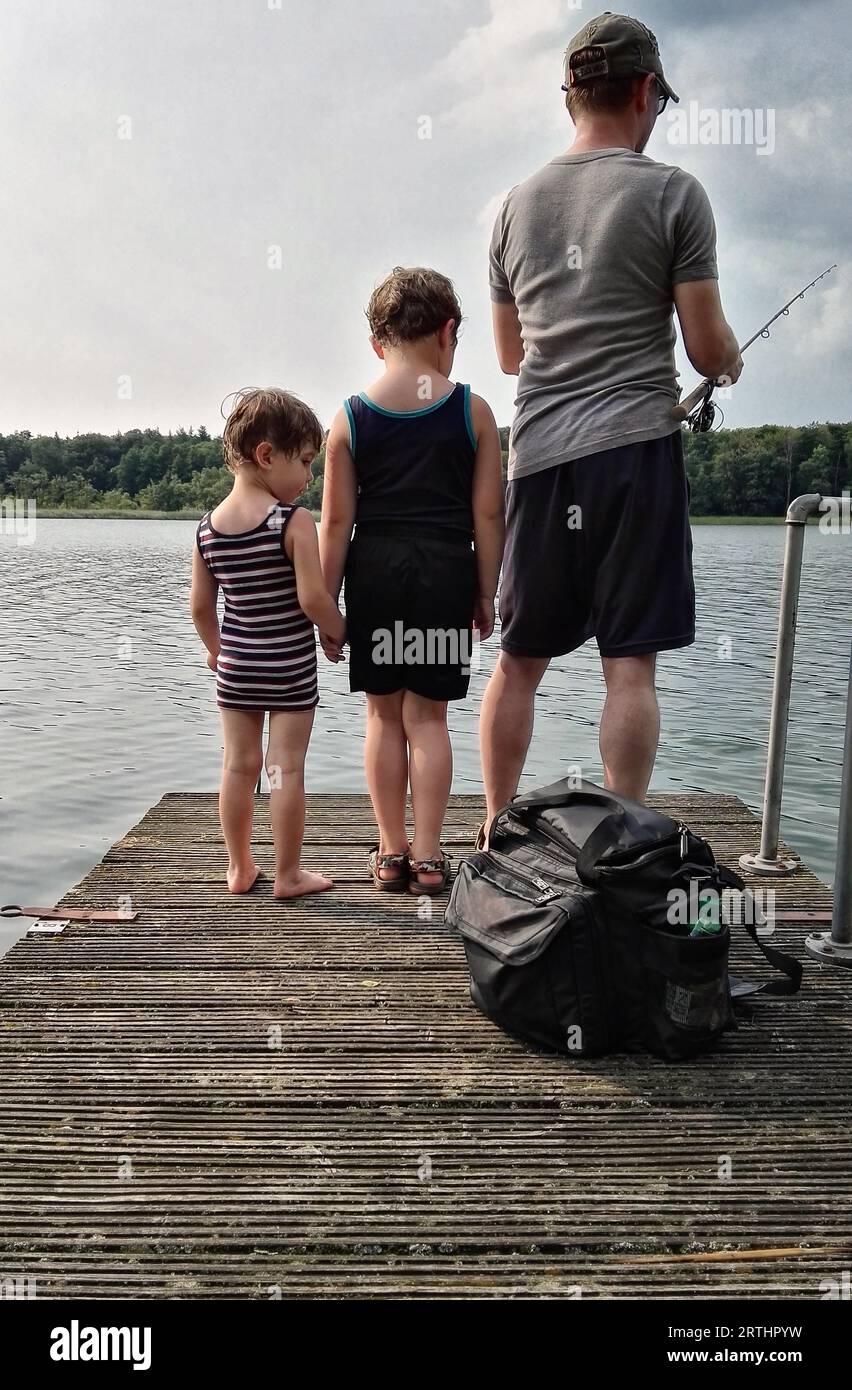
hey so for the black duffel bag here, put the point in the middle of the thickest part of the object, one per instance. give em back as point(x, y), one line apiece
point(572, 934)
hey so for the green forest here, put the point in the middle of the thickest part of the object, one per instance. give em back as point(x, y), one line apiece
point(744, 472)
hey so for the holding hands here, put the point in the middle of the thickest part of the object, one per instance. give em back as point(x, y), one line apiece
point(333, 649)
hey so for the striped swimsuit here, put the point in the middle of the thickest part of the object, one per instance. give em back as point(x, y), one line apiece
point(268, 656)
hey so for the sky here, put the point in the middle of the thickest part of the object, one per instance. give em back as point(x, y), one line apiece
point(200, 195)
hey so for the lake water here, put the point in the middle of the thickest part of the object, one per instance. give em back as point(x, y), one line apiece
point(106, 703)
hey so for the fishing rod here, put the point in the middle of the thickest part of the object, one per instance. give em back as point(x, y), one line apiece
point(697, 408)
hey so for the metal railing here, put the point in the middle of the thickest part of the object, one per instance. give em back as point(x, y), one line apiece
point(834, 947)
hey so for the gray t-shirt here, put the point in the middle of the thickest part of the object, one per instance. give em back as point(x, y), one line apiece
point(589, 249)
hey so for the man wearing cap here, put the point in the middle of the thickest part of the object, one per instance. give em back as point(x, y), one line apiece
point(589, 257)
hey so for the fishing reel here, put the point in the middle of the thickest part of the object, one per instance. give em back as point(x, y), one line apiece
point(703, 416)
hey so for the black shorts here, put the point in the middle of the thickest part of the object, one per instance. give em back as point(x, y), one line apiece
point(600, 547)
point(409, 613)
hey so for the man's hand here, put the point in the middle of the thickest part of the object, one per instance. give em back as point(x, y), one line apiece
point(483, 617)
point(732, 373)
point(212, 660)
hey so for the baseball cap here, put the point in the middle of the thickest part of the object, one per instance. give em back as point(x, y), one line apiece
point(614, 45)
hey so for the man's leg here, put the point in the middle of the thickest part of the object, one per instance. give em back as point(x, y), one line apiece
point(630, 724)
point(544, 607)
point(644, 596)
point(506, 724)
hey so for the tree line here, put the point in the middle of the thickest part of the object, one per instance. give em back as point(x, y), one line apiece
point(742, 472)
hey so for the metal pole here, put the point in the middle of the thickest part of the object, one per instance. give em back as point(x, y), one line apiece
point(836, 949)
point(767, 861)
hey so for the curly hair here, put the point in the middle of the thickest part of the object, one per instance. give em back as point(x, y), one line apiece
point(411, 303)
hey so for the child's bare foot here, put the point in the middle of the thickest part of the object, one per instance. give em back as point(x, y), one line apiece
point(299, 884)
point(240, 880)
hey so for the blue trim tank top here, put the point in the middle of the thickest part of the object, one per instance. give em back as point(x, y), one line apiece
point(414, 467)
point(268, 656)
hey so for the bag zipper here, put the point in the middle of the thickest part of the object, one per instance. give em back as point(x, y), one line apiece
point(546, 891)
point(684, 840)
point(544, 829)
point(557, 862)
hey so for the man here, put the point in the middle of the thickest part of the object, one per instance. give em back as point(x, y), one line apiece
point(588, 259)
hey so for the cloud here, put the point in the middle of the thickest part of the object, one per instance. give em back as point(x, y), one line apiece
point(504, 66)
point(299, 127)
point(823, 329)
point(485, 52)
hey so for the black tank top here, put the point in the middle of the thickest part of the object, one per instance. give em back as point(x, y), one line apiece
point(414, 467)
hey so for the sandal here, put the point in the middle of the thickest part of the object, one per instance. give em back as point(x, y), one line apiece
point(379, 863)
point(416, 867)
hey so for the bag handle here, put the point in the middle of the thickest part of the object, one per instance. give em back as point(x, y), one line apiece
point(551, 798)
point(602, 838)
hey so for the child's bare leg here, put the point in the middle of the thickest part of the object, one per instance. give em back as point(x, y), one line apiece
point(241, 764)
point(289, 735)
point(430, 771)
point(386, 766)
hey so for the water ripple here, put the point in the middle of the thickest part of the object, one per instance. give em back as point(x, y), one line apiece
point(106, 702)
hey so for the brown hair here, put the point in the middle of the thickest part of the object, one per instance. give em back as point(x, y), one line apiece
point(270, 414)
point(602, 94)
point(411, 303)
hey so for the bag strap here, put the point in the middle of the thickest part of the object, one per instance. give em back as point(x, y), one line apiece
point(788, 966)
point(602, 838)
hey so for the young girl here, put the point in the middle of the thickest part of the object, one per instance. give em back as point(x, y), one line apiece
point(261, 549)
point(415, 464)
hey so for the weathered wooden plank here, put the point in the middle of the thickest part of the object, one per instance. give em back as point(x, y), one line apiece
point(299, 1168)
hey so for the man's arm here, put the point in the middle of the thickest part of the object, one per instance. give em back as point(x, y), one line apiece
point(504, 312)
point(507, 336)
point(707, 336)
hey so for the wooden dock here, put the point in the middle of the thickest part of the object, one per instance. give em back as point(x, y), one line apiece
point(240, 1098)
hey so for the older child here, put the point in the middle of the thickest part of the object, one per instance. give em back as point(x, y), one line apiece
point(261, 549)
point(414, 463)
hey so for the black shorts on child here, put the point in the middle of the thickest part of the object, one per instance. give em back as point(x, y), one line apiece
point(409, 612)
